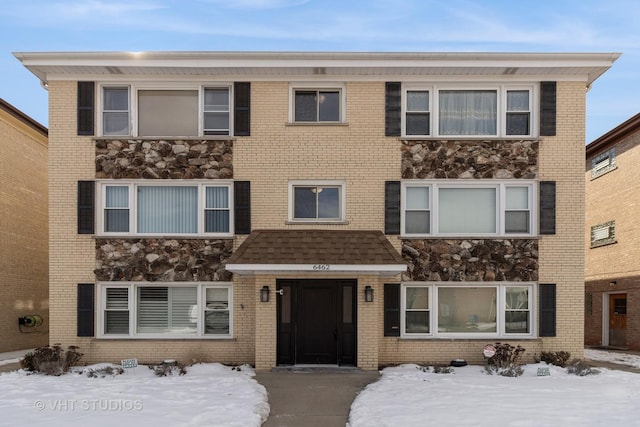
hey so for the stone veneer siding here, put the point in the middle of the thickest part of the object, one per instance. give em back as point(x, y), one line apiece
point(162, 260)
point(471, 260)
point(470, 159)
point(164, 159)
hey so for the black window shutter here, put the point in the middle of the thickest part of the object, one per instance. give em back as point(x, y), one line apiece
point(547, 108)
point(86, 108)
point(547, 207)
point(547, 310)
point(392, 207)
point(86, 191)
point(391, 310)
point(242, 207)
point(242, 108)
point(392, 108)
point(85, 309)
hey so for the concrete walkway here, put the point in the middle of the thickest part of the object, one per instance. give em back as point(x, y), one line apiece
point(312, 397)
point(10, 361)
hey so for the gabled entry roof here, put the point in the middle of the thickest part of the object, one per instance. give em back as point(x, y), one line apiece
point(316, 250)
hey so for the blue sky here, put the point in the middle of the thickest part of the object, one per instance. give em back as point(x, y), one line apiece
point(329, 25)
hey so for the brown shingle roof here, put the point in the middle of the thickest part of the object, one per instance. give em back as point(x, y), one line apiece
point(346, 247)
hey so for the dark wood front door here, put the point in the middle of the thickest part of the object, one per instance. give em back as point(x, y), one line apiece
point(316, 322)
point(618, 320)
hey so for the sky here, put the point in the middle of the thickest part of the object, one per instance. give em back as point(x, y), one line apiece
point(329, 25)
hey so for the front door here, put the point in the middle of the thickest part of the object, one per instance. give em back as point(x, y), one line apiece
point(618, 320)
point(316, 322)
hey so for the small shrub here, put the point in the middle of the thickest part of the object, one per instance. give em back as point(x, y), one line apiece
point(580, 368)
point(107, 371)
point(506, 361)
point(168, 368)
point(556, 358)
point(51, 360)
point(435, 368)
point(442, 369)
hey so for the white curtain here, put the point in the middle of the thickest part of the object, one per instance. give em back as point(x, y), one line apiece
point(468, 112)
point(167, 210)
point(467, 210)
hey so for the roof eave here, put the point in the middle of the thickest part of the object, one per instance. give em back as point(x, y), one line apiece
point(592, 64)
point(614, 135)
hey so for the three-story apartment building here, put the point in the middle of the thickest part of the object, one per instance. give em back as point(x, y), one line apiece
point(316, 208)
point(24, 302)
point(612, 291)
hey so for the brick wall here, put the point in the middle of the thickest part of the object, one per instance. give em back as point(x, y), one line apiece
point(614, 196)
point(23, 233)
point(277, 152)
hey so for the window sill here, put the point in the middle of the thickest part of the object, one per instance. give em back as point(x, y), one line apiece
point(603, 172)
point(600, 244)
point(164, 338)
point(316, 222)
point(464, 138)
point(162, 236)
point(317, 124)
point(168, 138)
point(467, 338)
point(467, 237)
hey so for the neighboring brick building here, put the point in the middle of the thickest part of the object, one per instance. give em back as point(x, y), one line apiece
point(612, 269)
point(24, 277)
point(326, 208)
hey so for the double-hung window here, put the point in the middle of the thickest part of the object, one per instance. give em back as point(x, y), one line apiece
point(482, 208)
point(152, 111)
point(444, 310)
point(116, 109)
point(145, 310)
point(316, 201)
point(186, 208)
point(323, 104)
point(443, 111)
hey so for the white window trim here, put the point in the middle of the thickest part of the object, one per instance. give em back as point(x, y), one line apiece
point(132, 294)
point(500, 186)
point(319, 183)
point(133, 184)
point(500, 310)
point(133, 105)
point(434, 108)
point(341, 87)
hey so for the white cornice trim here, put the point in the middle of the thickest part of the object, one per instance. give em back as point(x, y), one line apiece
point(382, 269)
point(316, 65)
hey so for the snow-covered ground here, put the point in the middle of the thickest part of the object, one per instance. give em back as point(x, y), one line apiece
point(208, 395)
point(217, 395)
point(406, 396)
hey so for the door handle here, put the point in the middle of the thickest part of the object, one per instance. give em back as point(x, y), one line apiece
point(280, 291)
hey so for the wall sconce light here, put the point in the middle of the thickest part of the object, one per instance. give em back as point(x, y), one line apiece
point(368, 294)
point(264, 294)
point(612, 284)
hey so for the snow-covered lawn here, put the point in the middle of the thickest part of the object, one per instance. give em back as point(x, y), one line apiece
point(208, 395)
point(217, 395)
point(406, 396)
